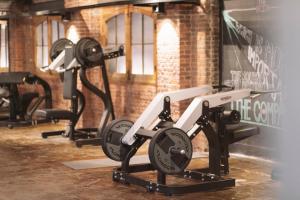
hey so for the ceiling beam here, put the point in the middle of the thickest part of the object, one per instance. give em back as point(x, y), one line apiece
point(58, 7)
point(48, 8)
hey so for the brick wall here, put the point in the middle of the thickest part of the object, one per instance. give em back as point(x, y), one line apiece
point(187, 56)
point(187, 50)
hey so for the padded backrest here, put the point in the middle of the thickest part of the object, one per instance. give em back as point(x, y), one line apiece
point(13, 77)
point(69, 76)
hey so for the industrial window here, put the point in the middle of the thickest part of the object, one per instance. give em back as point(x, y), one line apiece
point(4, 58)
point(139, 43)
point(116, 37)
point(142, 44)
point(47, 32)
point(58, 30)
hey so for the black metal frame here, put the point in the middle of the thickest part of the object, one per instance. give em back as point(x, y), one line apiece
point(85, 136)
point(209, 178)
point(221, 25)
point(108, 105)
point(206, 181)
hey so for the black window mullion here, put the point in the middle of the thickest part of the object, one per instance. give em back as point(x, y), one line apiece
point(58, 30)
point(42, 43)
point(6, 46)
point(116, 40)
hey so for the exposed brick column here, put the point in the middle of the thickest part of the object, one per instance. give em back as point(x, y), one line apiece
point(187, 50)
point(168, 52)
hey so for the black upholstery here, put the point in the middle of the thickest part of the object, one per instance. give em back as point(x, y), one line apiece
point(55, 114)
point(13, 77)
point(26, 99)
point(238, 132)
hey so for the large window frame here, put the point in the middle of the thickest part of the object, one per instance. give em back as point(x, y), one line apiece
point(38, 21)
point(128, 75)
point(4, 46)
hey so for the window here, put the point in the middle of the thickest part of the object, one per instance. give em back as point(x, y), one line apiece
point(116, 37)
point(4, 58)
point(42, 44)
point(139, 43)
point(57, 31)
point(142, 44)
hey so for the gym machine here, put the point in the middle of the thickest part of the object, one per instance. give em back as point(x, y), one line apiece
point(170, 149)
point(17, 109)
point(68, 59)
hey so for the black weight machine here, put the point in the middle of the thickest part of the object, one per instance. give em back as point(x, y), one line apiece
point(68, 60)
point(17, 109)
point(170, 148)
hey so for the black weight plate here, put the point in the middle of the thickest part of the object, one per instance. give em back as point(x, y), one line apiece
point(88, 52)
point(58, 46)
point(170, 150)
point(112, 135)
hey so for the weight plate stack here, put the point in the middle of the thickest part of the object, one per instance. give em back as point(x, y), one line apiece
point(58, 46)
point(170, 150)
point(88, 52)
point(112, 136)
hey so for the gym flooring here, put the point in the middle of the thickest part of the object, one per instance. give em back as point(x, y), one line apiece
point(31, 168)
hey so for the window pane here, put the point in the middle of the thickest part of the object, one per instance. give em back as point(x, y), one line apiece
point(116, 37)
point(61, 30)
point(136, 28)
point(112, 65)
point(39, 33)
point(6, 46)
point(121, 63)
point(54, 31)
point(111, 31)
point(3, 61)
point(39, 56)
point(137, 59)
point(121, 29)
point(45, 56)
point(148, 29)
point(148, 60)
point(45, 33)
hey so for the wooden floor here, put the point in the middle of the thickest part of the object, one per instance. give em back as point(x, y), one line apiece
point(31, 169)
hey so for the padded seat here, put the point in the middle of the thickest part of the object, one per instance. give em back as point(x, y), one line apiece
point(238, 132)
point(55, 114)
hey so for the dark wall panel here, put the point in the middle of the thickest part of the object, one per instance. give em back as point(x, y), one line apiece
point(251, 59)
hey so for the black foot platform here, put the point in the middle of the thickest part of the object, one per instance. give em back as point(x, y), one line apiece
point(90, 141)
point(201, 181)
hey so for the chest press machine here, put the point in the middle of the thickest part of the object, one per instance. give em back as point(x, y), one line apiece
point(170, 148)
point(17, 109)
point(68, 59)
